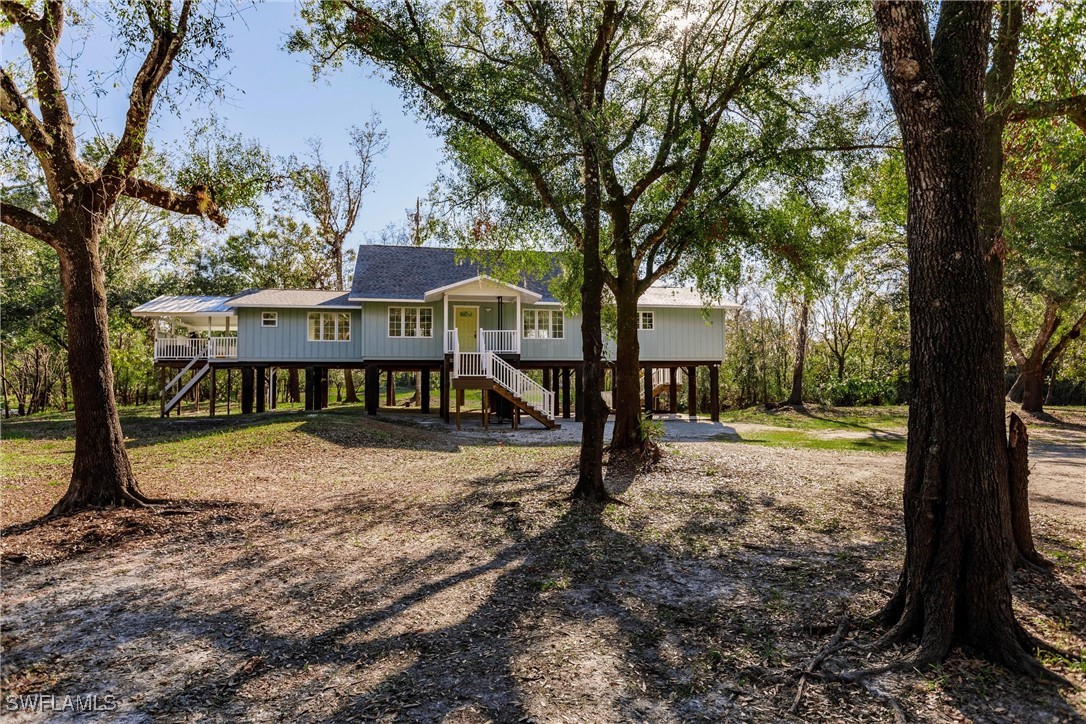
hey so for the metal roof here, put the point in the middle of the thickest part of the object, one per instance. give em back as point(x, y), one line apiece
point(408, 272)
point(294, 298)
point(173, 305)
point(680, 297)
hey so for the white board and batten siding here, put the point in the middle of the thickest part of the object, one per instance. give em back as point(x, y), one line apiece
point(288, 341)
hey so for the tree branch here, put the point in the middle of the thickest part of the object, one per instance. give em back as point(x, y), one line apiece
point(1074, 107)
point(1074, 333)
point(29, 223)
point(196, 203)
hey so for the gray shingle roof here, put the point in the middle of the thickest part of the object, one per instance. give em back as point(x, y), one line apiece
point(408, 272)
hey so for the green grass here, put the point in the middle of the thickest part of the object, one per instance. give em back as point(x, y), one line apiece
point(822, 418)
point(800, 439)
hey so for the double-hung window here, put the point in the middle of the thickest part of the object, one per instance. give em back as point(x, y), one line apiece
point(543, 324)
point(646, 320)
point(329, 327)
point(410, 322)
point(269, 319)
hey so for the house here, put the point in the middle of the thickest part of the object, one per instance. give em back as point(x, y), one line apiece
point(425, 309)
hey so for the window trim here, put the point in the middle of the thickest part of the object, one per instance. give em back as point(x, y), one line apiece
point(264, 320)
point(403, 321)
point(641, 320)
point(335, 326)
point(537, 315)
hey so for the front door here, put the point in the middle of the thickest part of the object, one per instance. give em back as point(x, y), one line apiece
point(467, 328)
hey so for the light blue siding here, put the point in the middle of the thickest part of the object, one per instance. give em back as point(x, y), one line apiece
point(683, 334)
point(288, 342)
point(379, 346)
point(567, 349)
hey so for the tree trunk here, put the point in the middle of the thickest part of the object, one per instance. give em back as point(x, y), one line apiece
point(1032, 390)
point(590, 485)
point(1025, 551)
point(954, 587)
point(101, 473)
point(294, 393)
point(352, 394)
point(626, 397)
point(796, 398)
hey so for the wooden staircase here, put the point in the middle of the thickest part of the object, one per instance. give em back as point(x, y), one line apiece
point(187, 387)
point(487, 371)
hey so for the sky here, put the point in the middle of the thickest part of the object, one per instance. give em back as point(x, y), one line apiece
point(273, 98)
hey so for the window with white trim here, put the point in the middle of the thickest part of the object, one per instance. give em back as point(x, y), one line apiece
point(543, 324)
point(410, 322)
point(329, 327)
point(269, 319)
point(646, 320)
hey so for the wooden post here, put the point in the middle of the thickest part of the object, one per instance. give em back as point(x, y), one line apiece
point(486, 409)
point(246, 390)
point(162, 392)
point(390, 389)
point(322, 375)
point(546, 379)
point(578, 394)
point(443, 391)
point(673, 391)
point(229, 387)
point(310, 388)
point(373, 388)
point(273, 389)
point(565, 392)
point(692, 391)
point(649, 402)
point(214, 392)
point(459, 402)
point(714, 392)
point(261, 388)
point(425, 372)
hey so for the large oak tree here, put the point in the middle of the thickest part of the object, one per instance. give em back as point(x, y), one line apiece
point(954, 587)
point(82, 194)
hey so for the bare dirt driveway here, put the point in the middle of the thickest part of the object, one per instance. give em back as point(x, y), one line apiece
point(329, 567)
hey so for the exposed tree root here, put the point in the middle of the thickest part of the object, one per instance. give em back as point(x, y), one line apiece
point(835, 644)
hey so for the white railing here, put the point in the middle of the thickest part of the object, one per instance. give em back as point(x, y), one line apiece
point(471, 365)
point(170, 348)
point(452, 342)
point(222, 348)
point(502, 341)
point(520, 384)
point(180, 347)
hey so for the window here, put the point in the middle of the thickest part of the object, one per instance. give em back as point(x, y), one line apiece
point(410, 322)
point(329, 327)
point(543, 324)
point(645, 320)
point(269, 319)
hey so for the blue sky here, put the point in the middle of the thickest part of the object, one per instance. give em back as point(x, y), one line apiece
point(272, 98)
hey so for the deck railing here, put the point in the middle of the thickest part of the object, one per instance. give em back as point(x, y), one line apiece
point(502, 341)
point(451, 340)
point(187, 348)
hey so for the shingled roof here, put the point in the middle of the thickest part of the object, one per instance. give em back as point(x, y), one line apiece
point(408, 272)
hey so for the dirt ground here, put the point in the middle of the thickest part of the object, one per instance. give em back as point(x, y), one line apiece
point(327, 567)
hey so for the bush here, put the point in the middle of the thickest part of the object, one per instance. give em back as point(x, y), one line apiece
point(853, 391)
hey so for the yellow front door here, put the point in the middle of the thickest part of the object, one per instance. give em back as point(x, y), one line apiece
point(467, 328)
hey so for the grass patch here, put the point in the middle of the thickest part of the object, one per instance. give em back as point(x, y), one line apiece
point(816, 417)
point(800, 439)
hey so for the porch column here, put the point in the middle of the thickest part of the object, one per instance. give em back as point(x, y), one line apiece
point(517, 324)
point(425, 372)
point(565, 392)
point(246, 390)
point(390, 389)
point(714, 392)
point(323, 377)
point(692, 391)
point(373, 388)
point(578, 392)
point(261, 388)
point(649, 402)
point(445, 316)
point(673, 391)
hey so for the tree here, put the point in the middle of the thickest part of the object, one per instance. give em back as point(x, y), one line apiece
point(954, 586)
point(81, 195)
